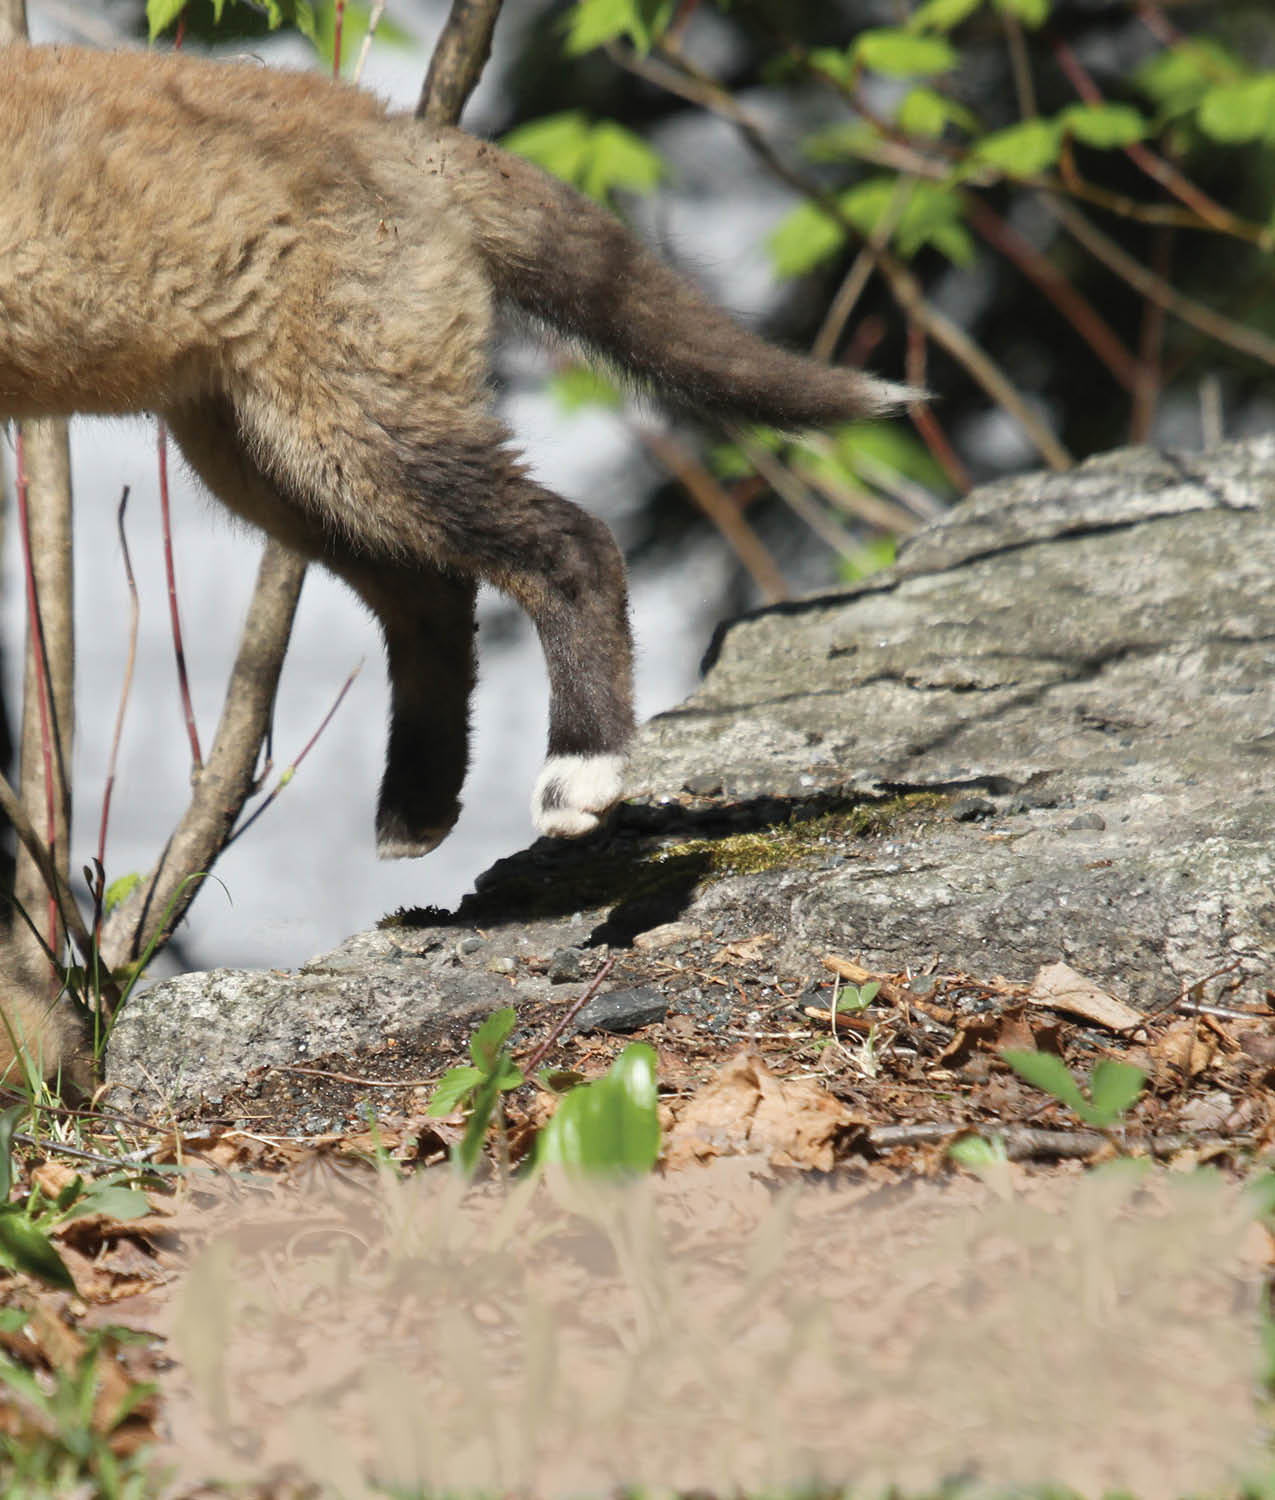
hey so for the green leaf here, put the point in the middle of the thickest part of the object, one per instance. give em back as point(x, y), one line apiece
point(835, 63)
point(611, 1125)
point(491, 1036)
point(1020, 150)
point(942, 15)
point(1030, 12)
point(467, 1154)
point(872, 557)
point(1048, 1073)
point(579, 386)
point(120, 890)
point(925, 112)
point(852, 998)
point(1104, 125)
point(1114, 1087)
point(26, 1248)
point(160, 15)
point(848, 138)
point(8, 1124)
point(933, 215)
point(594, 23)
point(977, 1153)
point(452, 1089)
point(803, 239)
point(114, 1200)
point(596, 158)
point(1237, 112)
point(901, 54)
point(1179, 77)
point(619, 159)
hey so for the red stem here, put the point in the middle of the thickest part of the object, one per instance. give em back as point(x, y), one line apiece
point(923, 418)
point(338, 23)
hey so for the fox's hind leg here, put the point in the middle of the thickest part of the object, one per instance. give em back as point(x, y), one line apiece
point(426, 616)
point(472, 507)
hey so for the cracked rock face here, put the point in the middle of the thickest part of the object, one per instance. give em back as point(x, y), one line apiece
point(1091, 653)
point(1085, 661)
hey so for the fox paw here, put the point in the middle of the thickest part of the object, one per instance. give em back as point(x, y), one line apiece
point(573, 792)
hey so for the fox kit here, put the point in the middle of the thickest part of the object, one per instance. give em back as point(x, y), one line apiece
point(303, 284)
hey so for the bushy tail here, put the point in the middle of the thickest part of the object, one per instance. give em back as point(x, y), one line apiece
point(564, 260)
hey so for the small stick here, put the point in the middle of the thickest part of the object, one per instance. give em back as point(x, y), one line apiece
point(197, 759)
point(568, 1015)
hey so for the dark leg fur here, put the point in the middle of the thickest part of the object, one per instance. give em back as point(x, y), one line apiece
point(475, 510)
point(426, 616)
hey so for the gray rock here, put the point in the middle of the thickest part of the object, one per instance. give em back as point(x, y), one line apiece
point(622, 1010)
point(1106, 635)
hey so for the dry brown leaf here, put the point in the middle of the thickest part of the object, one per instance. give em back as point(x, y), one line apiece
point(1060, 987)
point(746, 951)
point(1184, 1049)
point(746, 1110)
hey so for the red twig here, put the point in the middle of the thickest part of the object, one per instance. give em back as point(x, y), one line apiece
point(568, 1015)
point(179, 652)
point(923, 418)
point(289, 772)
point(35, 628)
point(338, 25)
point(1073, 305)
point(133, 612)
point(1155, 166)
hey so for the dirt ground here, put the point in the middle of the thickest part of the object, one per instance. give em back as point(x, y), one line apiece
point(810, 1288)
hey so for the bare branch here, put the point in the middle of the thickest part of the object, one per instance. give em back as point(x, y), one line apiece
point(228, 775)
point(459, 58)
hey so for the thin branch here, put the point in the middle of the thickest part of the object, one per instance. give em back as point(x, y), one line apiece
point(125, 687)
point(459, 58)
point(285, 776)
point(984, 369)
point(722, 511)
point(793, 492)
point(690, 82)
point(1103, 248)
point(43, 861)
point(228, 774)
point(174, 614)
point(1078, 311)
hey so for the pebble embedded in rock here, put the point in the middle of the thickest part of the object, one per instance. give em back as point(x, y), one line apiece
point(623, 1010)
point(565, 966)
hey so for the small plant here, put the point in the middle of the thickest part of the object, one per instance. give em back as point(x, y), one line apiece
point(849, 998)
point(478, 1088)
point(1114, 1086)
point(26, 1227)
point(58, 1439)
point(611, 1124)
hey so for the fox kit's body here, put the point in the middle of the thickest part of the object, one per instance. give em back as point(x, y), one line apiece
point(303, 285)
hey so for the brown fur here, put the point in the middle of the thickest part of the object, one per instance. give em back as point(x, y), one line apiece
point(36, 1026)
point(304, 285)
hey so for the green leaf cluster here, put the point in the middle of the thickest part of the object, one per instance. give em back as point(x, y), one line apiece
point(932, 214)
point(597, 156)
point(1114, 1086)
point(595, 23)
point(25, 1243)
point(610, 1125)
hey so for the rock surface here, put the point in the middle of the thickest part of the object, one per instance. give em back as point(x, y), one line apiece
point(1081, 666)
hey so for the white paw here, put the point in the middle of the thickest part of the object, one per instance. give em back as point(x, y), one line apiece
point(573, 791)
